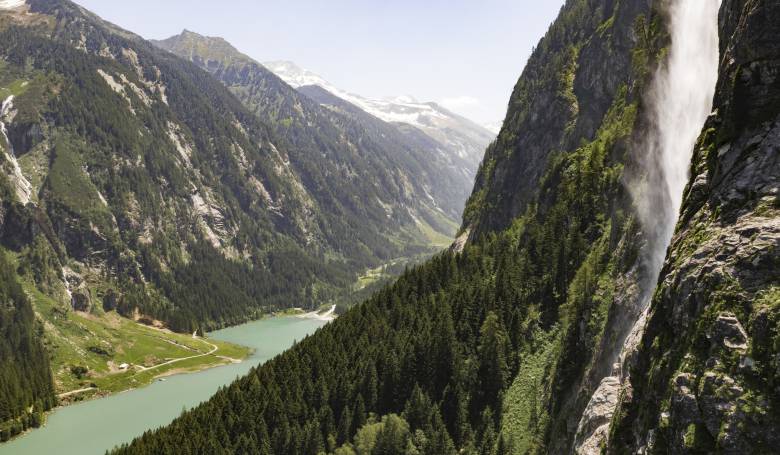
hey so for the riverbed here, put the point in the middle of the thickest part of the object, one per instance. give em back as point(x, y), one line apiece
point(92, 427)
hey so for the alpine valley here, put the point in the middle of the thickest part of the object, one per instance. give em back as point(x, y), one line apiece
point(613, 285)
point(138, 188)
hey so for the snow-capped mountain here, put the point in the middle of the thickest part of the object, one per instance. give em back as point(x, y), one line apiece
point(456, 134)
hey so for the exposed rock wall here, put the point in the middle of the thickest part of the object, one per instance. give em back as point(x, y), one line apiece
point(559, 102)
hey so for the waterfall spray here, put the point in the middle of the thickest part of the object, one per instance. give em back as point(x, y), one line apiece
point(679, 101)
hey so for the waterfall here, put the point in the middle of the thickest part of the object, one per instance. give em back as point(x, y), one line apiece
point(679, 101)
point(21, 184)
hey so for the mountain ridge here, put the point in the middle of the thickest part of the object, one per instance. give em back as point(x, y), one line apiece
point(284, 108)
point(158, 163)
point(470, 139)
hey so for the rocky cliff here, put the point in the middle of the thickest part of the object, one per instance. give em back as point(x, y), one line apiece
point(706, 374)
point(559, 102)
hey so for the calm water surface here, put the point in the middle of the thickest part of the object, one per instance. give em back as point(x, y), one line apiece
point(95, 426)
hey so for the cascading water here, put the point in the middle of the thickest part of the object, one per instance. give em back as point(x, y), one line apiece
point(21, 184)
point(679, 101)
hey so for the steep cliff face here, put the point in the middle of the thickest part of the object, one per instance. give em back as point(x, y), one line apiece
point(706, 377)
point(559, 102)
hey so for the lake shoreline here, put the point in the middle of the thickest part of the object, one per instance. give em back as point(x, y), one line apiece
point(98, 394)
point(99, 423)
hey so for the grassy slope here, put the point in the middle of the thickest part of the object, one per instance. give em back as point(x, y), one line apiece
point(115, 340)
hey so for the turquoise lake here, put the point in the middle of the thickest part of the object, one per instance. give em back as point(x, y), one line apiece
point(92, 427)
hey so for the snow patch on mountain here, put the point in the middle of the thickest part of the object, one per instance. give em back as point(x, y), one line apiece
point(11, 4)
point(403, 109)
point(461, 136)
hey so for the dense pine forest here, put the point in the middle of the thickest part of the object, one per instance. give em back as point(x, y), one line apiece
point(26, 389)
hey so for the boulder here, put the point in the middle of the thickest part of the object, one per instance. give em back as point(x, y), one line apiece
point(727, 332)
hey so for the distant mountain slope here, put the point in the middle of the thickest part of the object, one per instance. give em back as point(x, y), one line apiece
point(133, 180)
point(398, 183)
point(457, 136)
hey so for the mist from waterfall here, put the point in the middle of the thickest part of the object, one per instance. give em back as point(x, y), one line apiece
point(679, 101)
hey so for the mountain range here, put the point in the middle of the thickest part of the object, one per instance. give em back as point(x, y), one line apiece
point(458, 136)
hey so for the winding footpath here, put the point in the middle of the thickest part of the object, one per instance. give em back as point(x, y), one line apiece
point(74, 392)
point(214, 349)
point(141, 368)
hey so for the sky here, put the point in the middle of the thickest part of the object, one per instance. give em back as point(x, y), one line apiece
point(464, 54)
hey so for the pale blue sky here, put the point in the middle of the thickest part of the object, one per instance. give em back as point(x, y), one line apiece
point(466, 54)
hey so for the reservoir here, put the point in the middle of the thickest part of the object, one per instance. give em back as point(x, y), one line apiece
point(92, 427)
